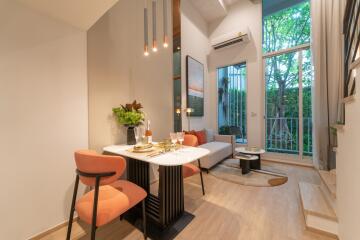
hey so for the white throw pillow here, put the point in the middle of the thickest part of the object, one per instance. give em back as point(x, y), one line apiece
point(210, 135)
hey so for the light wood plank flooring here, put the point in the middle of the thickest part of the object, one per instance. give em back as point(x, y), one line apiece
point(232, 212)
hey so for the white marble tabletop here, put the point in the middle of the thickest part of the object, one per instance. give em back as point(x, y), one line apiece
point(248, 151)
point(179, 157)
point(247, 157)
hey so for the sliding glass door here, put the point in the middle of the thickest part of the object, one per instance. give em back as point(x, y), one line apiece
point(288, 73)
point(288, 79)
point(232, 101)
point(282, 103)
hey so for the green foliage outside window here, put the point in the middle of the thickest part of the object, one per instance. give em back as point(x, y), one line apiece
point(285, 29)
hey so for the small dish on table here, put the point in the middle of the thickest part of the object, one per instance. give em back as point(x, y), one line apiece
point(143, 148)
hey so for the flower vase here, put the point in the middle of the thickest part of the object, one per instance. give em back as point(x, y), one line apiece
point(131, 136)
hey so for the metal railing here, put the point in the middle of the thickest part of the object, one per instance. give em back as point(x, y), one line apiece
point(282, 135)
point(233, 103)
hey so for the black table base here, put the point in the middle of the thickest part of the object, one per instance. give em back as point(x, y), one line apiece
point(248, 165)
point(166, 215)
point(156, 232)
point(256, 164)
point(245, 166)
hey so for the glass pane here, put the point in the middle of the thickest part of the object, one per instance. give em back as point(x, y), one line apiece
point(232, 101)
point(177, 90)
point(287, 26)
point(308, 77)
point(282, 103)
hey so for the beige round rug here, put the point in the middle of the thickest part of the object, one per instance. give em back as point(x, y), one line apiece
point(229, 170)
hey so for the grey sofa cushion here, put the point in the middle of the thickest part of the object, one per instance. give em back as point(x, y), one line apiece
point(215, 146)
point(218, 152)
point(210, 135)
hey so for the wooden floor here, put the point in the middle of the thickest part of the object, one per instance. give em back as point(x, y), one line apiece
point(230, 211)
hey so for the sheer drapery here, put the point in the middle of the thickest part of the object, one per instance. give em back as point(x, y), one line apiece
point(327, 49)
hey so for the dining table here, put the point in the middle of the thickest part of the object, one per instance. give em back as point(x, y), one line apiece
point(165, 210)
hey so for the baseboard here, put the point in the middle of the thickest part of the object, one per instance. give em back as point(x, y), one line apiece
point(52, 230)
point(289, 162)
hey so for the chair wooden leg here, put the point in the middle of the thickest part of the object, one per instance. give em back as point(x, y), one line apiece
point(144, 218)
point(201, 178)
point(72, 209)
point(96, 198)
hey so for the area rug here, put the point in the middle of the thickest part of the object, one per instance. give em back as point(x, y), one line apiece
point(229, 170)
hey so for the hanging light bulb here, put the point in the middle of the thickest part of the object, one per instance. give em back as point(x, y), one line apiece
point(146, 31)
point(166, 40)
point(154, 44)
point(166, 45)
point(146, 51)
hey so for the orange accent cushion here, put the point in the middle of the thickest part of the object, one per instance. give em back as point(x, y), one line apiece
point(134, 193)
point(190, 170)
point(190, 140)
point(201, 136)
point(192, 132)
point(111, 204)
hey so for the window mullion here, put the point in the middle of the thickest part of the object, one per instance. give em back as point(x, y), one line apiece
point(301, 122)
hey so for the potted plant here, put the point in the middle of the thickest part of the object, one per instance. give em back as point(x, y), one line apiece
point(130, 116)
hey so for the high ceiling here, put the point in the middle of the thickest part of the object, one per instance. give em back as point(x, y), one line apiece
point(230, 2)
point(79, 13)
point(210, 9)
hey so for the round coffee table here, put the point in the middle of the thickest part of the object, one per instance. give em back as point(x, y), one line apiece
point(245, 161)
point(255, 164)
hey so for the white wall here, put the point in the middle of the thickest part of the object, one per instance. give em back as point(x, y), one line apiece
point(43, 116)
point(119, 73)
point(195, 43)
point(347, 172)
point(241, 16)
point(195, 37)
point(109, 61)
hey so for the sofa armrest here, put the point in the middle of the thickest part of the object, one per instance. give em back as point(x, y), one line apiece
point(226, 138)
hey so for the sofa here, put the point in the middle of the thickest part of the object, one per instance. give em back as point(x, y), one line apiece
point(220, 147)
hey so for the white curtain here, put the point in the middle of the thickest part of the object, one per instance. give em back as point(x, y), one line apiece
point(327, 49)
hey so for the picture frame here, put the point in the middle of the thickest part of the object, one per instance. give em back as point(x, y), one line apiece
point(195, 86)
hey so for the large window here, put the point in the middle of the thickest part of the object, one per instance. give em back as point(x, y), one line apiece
point(286, 24)
point(232, 101)
point(288, 76)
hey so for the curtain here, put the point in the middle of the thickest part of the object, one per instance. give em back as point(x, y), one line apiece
point(327, 50)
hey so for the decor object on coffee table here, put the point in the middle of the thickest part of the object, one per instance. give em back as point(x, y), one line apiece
point(195, 86)
point(131, 116)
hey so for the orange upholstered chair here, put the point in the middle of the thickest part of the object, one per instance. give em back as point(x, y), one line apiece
point(110, 197)
point(190, 169)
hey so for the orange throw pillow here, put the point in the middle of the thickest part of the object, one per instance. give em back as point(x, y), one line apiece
point(201, 136)
point(192, 132)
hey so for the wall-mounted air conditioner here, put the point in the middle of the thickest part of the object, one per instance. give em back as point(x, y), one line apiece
point(230, 39)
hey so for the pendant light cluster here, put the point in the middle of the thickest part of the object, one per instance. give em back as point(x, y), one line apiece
point(154, 30)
